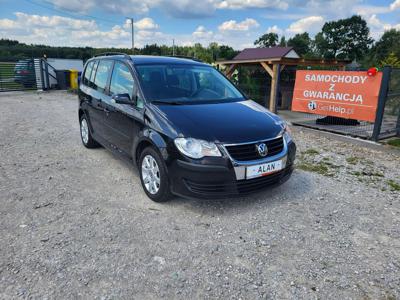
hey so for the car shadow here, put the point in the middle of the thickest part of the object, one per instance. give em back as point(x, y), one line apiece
point(294, 190)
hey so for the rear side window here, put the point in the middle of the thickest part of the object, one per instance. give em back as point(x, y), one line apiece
point(121, 81)
point(102, 72)
point(91, 81)
point(88, 71)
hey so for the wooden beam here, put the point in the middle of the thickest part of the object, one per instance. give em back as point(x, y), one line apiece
point(288, 61)
point(267, 68)
point(246, 61)
point(230, 70)
point(274, 87)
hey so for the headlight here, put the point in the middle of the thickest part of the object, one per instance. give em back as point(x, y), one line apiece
point(286, 128)
point(287, 133)
point(196, 148)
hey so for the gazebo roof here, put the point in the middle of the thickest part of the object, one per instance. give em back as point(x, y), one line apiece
point(274, 60)
point(266, 53)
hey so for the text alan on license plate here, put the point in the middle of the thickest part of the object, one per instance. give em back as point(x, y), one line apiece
point(263, 169)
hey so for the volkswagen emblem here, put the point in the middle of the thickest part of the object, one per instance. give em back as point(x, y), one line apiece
point(262, 149)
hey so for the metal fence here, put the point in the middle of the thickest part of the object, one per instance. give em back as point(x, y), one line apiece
point(18, 75)
point(387, 122)
point(391, 111)
point(256, 84)
point(27, 74)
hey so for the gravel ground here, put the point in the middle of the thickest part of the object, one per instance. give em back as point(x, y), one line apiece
point(75, 223)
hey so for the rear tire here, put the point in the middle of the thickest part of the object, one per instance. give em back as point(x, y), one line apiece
point(86, 136)
point(153, 175)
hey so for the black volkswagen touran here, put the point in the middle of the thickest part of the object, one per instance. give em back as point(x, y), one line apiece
point(189, 130)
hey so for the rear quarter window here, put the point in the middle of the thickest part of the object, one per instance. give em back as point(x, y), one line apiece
point(91, 81)
point(102, 73)
point(88, 71)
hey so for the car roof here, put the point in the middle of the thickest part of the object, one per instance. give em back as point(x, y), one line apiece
point(151, 59)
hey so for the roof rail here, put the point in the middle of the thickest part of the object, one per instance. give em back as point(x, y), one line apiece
point(187, 57)
point(112, 53)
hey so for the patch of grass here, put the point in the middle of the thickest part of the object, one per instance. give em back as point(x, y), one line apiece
point(311, 152)
point(332, 165)
point(72, 91)
point(352, 160)
point(376, 174)
point(356, 173)
point(390, 296)
point(360, 179)
point(319, 168)
point(393, 185)
point(369, 162)
point(394, 142)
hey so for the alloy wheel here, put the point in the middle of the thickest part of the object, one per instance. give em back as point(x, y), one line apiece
point(151, 174)
point(84, 131)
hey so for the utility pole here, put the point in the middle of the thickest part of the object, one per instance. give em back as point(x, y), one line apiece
point(133, 35)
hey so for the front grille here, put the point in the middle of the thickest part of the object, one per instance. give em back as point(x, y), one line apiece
point(255, 184)
point(240, 187)
point(209, 189)
point(249, 151)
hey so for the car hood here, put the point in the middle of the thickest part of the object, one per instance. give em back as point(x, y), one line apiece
point(231, 122)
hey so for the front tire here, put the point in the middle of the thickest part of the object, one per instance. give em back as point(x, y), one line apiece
point(86, 135)
point(153, 175)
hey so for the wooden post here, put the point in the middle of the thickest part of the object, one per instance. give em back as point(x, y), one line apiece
point(274, 87)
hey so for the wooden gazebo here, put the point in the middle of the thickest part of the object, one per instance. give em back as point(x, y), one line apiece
point(274, 60)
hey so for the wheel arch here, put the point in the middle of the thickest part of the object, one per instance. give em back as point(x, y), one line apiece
point(150, 138)
point(82, 112)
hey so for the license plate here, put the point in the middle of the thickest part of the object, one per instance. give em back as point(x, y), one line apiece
point(263, 169)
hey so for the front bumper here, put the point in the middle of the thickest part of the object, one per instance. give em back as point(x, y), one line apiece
point(225, 178)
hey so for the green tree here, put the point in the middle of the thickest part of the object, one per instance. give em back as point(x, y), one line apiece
point(153, 49)
point(283, 42)
point(267, 40)
point(391, 60)
point(387, 44)
point(226, 52)
point(301, 43)
point(13, 50)
point(344, 38)
point(214, 49)
point(7, 42)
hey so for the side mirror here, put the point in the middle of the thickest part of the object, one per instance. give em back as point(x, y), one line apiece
point(122, 99)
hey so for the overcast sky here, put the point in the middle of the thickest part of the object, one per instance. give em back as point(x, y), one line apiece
point(102, 23)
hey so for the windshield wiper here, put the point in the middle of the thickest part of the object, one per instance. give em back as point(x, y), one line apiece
point(167, 102)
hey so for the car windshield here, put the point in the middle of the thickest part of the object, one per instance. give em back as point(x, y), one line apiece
point(185, 83)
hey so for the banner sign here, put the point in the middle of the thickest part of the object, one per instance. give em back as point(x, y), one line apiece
point(345, 94)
